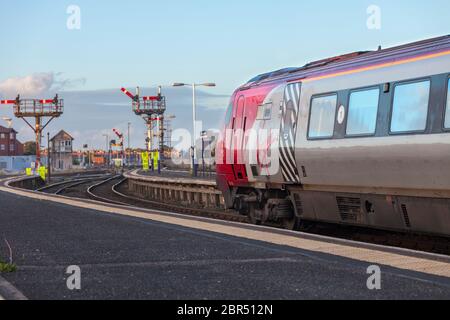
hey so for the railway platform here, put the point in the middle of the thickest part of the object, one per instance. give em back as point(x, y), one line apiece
point(176, 173)
point(175, 186)
point(133, 253)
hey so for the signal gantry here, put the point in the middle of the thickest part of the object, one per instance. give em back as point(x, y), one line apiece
point(37, 109)
point(152, 109)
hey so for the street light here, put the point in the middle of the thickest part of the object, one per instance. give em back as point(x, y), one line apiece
point(194, 118)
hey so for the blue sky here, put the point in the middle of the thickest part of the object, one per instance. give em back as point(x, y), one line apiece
point(158, 42)
point(148, 43)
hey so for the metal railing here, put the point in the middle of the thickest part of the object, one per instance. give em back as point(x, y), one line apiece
point(149, 107)
point(39, 107)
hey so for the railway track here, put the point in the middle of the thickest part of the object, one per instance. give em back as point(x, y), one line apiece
point(112, 190)
point(109, 191)
point(65, 186)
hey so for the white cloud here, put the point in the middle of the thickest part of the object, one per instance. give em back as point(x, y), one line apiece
point(32, 85)
point(36, 85)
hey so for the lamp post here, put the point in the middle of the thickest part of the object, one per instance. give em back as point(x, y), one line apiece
point(194, 119)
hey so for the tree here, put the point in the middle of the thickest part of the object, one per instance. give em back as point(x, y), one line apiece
point(29, 148)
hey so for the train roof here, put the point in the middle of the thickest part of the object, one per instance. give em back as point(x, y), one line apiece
point(352, 60)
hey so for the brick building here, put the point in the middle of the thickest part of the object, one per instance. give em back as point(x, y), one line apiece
point(9, 145)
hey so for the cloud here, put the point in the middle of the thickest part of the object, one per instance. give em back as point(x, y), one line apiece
point(31, 85)
point(37, 84)
point(64, 83)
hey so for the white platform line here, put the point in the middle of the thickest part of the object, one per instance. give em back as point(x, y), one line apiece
point(9, 291)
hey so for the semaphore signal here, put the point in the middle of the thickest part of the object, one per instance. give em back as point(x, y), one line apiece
point(38, 109)
point(152, 109)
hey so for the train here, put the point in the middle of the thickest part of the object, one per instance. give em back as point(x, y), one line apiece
point(360, 139)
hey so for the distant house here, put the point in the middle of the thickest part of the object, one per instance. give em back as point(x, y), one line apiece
point(9, 145)
point(61, 151)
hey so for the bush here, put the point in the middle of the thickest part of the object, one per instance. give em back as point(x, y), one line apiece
point(7, 267)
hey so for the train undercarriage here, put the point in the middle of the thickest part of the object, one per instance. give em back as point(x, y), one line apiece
point(267, 206)
point(292, 207)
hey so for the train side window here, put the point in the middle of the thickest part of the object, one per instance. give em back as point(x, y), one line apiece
point(447, 110)
point(322, 118)
point(363, 111)
point(410, 107)
point(268, 111)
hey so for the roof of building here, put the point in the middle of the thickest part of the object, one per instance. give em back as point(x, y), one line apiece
point(6, 130)
point(62, 135)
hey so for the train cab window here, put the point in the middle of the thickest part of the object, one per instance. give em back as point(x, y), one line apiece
point(363, 111)
point(410, 107)
point(264, 112)
point(228, 114)
point(447, 110)
point(322, 119)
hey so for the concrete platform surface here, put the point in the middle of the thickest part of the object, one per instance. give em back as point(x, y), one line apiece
point(145, 257)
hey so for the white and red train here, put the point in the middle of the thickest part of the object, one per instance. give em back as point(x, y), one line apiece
point(360, 139)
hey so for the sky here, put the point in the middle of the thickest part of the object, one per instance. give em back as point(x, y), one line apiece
point(150, 43)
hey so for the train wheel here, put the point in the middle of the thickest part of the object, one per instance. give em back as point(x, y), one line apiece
point(291, 224)
point(252, 216)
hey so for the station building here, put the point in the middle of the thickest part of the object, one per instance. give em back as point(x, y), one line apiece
point(61, 151)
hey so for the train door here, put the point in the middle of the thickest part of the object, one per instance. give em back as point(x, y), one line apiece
point(227, 137)
point(288, 131)
point(239, 125)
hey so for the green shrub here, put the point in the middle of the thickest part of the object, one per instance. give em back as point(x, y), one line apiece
point(7, 267)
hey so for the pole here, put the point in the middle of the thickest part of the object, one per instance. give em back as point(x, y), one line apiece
point(123, 152)
point(161, 141)
point(106, 150)
point(203, 155)
point(194, 156)
point(150, 141)
point(109, 153)
point(149, 135)
point(49, 157)
point(38, 141)
point(128, 153)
